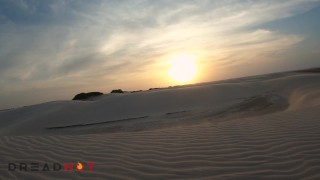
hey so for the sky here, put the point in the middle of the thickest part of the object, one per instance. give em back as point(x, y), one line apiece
point(52, 50)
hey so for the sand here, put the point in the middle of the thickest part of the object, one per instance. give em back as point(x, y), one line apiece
point(266, 127)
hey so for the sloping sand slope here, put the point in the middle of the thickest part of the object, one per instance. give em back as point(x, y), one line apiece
point(263, 128)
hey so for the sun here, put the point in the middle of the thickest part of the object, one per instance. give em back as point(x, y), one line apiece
point(183, 68)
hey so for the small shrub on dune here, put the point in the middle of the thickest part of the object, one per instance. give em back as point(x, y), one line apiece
point(86, 96)
point(117, 91)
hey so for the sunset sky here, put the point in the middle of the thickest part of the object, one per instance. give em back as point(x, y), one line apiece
point(52, 50)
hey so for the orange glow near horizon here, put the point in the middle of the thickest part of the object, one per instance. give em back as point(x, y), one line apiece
point(183, 68)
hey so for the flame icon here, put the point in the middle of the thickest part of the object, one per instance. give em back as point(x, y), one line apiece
point(79, 166)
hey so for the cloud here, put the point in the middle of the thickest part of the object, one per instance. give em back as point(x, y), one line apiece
point(49, 43)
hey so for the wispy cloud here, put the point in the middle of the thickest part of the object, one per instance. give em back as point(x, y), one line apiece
point(50, 43)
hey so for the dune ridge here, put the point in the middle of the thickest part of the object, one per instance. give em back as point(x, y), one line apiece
point(257, 129)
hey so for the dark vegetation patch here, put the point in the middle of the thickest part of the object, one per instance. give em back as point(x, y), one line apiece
point(155, 89)
point(136, 91)
point(86, 96)
point(117, 91)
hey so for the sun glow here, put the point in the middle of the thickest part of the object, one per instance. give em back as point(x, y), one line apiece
point(183, 68)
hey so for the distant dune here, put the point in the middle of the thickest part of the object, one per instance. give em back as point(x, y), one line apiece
point(261, 127)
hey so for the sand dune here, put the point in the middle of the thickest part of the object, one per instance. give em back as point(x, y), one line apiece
point(266, 127)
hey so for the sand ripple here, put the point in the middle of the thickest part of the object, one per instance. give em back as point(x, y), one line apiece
point(284, 145)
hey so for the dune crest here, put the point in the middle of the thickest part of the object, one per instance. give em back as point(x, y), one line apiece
point(265, 127)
